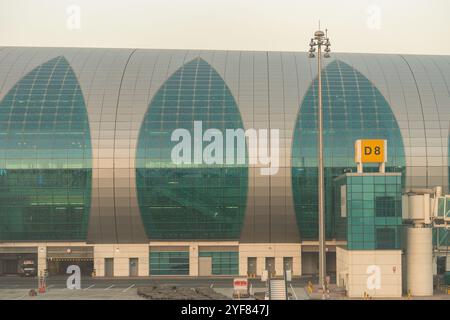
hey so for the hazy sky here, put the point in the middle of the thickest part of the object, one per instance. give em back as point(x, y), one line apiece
point(384, 26)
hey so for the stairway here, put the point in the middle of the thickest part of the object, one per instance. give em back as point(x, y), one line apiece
point(278, 290)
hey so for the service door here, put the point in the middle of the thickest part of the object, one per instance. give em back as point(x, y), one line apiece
point(109, 267)
point(287, 263)
point(270, 266)
point(251, 266)
point(134, 267)
point(205, 266)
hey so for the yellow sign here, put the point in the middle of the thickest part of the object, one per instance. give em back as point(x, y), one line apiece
point(371, 151)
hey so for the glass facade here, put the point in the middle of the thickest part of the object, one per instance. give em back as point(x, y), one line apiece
point(169, 263)
point(45, 157)
point(373, 218)
point(441, 236)
point(63, 151)
point(223, 262)
point(353, 108)
point(189, 201)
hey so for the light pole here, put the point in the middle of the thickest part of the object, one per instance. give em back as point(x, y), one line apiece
point(320, 39)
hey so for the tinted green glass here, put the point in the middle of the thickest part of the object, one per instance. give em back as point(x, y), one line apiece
point(353, 109)
point(185, 201)
point(223, 263)
point(386, 238)
point(374, 223)
point(45, 157)
point(442, 236)
point(169, 263)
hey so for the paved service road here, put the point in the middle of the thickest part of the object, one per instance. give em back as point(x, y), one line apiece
point(88, 283)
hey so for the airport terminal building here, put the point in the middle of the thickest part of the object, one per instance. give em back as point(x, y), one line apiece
point(87, 178)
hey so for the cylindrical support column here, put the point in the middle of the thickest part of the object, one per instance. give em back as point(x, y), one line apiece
point(322, 252)
point(193, 260)
point(42, 260)
point(419, 260)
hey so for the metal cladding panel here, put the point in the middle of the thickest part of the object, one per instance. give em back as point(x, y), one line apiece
point(245, 103)
point(132, 98)
point(17, 62)
point(269, 87)
point(442, 66)
point(261, 120)
point(101, 75)
point(277, 121)
point(291, 106)
point(85, 65)
point(145, 72)
point(254, 106)
point(435, 101)
point(416, 170)
point(277, 219)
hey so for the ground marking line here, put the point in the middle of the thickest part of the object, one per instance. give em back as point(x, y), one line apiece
point(21, 297)
point(128, 288)
point(89, 287)
point(109, 287)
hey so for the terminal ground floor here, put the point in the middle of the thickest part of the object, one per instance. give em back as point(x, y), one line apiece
point(197, 259)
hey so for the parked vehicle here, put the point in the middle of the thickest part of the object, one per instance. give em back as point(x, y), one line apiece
point(28, 268)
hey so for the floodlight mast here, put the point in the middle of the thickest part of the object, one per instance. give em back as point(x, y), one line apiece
point(320, 40)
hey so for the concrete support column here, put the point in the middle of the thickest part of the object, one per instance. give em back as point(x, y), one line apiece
point(260, 265)
point(193, 260)
point(243, 265)
point(419, 259)
point(297, 266)
point(42, 260)
point(278, 266)
point(99, 266)
point(121, 264)
point(144, 263)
